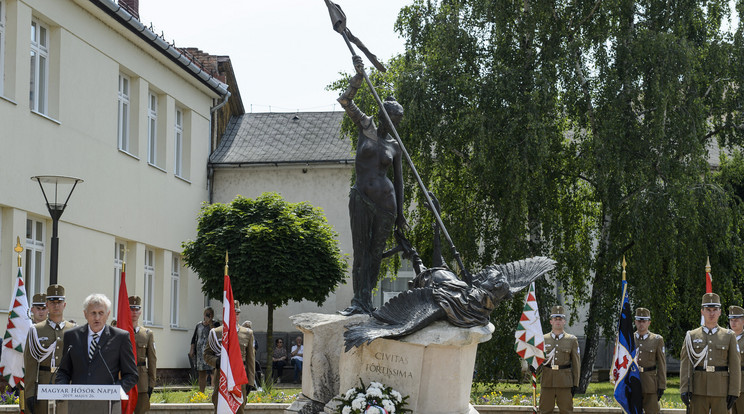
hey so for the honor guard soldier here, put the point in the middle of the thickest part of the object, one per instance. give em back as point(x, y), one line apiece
point(651, 359)
point(736, 321)
point(44, 349)
point(560, 371)
point(247, 353)
point(39, 310)
point(147, 361)
point(710, 367)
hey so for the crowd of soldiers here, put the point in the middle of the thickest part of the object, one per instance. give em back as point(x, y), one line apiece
point(710, 363)
point(45, 350)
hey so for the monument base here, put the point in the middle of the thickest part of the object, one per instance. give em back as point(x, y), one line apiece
point(433, 366)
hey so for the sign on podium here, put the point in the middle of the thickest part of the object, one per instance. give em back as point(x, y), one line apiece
point(87, 392)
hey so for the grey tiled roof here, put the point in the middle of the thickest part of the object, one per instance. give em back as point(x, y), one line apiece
point(297, 137)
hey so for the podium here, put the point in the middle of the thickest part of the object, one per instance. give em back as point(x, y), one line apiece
point(84, 397)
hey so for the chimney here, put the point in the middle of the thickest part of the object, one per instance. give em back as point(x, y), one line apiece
point(131, 6)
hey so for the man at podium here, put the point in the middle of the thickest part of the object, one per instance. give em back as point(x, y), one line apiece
point(96, 353)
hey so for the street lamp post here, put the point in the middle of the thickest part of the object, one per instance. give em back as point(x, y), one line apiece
point(54, 184)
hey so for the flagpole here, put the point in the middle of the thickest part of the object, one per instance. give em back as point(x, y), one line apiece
point(534, 389)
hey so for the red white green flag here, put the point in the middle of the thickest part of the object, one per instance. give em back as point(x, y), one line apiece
point(530, 344)
point(11, 363)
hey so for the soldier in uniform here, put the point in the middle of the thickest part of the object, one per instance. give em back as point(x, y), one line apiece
point(651, 359)
point(736, 321)
point(560, 371)
point(710, 367)
point(44, 348)
point(147, 361)
point(39, 310)
point(212, 357)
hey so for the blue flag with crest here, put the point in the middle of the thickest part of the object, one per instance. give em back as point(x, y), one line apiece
point(625, 372)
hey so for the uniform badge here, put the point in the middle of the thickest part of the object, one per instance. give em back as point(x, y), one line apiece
point(698, 340)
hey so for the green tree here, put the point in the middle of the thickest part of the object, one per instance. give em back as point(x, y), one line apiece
point(279, 252)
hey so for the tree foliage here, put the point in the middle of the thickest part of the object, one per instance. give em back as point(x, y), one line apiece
point(579, 130)
point(278, 251)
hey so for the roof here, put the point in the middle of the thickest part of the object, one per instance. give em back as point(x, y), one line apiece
point(283, 138)
point(186, 62)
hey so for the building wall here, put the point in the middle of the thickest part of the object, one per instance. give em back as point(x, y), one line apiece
point(324, 186)
point(123, 198)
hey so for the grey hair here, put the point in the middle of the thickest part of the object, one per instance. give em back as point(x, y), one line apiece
point(97, 299)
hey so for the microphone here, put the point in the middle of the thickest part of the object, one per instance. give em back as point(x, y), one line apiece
point(98, 351)
point(66, 354)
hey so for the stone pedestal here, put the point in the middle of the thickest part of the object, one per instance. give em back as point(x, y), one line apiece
point(434, 366)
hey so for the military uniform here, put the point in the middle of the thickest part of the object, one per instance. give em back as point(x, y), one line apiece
point(245, 340)
point(651, 360)
point(37, 372)
point(560, 371)
point(738, 312)
point(147, 361)
point(710, 366)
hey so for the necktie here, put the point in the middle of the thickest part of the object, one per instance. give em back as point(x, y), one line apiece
point(93, 346)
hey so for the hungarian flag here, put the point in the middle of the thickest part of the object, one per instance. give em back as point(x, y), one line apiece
point(708, 286)
point(11, 363)
point(124, 321)
point(625, 373)
point(232, 370)
point(530, 344)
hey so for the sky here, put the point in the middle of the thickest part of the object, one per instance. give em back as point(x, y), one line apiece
point(284, 52)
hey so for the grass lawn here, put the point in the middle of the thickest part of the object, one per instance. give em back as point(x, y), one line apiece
point(503, 393)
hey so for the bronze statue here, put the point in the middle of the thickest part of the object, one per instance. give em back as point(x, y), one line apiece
point(438, 294)
point(375, 203)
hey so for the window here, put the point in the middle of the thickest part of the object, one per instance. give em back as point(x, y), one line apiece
point(38, 92)
point(123, 123)
point(175, 287)
point(149, 300)
point(179, 143)
point(119, 250)
point(152, 129)
point(35, 257)
point(392, 287)
point(2, 45)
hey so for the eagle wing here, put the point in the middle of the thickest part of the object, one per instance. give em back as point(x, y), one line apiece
point(523, 272)
point(402, 315)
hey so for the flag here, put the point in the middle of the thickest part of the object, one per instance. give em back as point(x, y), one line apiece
point(530, 344)
point(708, 286)
point(625, 372)
point(11, 363)
point(124, 321)
point(232, 370)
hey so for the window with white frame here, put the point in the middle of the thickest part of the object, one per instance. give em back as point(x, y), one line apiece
point(119, 250)
point(39, 88)
point(175, 290)
point(2, 46)
point(152, 129)
point(149, 300)
point(34, 270)
point(123, 122)
point(179, 143)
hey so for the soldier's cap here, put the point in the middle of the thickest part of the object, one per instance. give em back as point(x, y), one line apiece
point(642, 314)
point(39, 300)
point(55, 292)
point(711, 300)
point(237, 306)
point(557, 312)
point(735, 312)
point(135, 302)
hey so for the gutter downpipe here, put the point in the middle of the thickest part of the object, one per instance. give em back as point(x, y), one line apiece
point(213, 142)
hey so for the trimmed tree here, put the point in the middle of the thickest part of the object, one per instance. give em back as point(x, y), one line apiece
point(279, 252)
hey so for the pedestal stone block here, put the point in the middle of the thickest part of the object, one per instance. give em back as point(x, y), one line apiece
point(433, 366)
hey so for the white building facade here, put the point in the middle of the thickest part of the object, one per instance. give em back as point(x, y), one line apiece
point(102, 99)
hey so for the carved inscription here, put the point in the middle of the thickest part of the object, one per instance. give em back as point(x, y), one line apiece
point(390, 365)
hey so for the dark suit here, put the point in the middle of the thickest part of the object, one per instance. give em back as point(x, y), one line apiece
point(114, 347)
